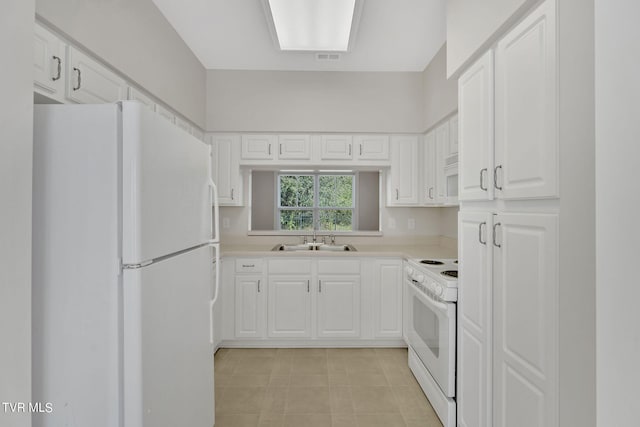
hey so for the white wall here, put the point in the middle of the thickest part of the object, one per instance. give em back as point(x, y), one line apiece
point(135, 38)
point(16, 144)
point(618, 201)
point(577, 262)
point(472, 24)
point(440, 93)
point(308, 101)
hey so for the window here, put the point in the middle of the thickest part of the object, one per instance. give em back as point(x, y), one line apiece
point(316, 201)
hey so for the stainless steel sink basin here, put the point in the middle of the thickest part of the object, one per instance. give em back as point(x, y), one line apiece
point(313, 247)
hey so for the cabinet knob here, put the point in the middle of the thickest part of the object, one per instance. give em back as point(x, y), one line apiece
point(77, 70)
point(495, 177)
point(480, 233)
point(482, 173)
point(495, 242)
point(57, 77)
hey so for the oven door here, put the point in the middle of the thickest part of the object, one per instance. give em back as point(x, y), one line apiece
point(431, 332)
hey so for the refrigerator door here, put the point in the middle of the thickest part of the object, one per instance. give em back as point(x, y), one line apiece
point(168, 356)
point(167, 189)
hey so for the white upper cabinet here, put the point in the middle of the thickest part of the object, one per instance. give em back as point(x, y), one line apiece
point(294, 147)
point(225, 162)
point(526, 109)
point(475, 108)
point(259, 147)
point(453, 136)
point(442, 149)
point(49, 64)
point(141, 97)
point(336, 147)
point(89, 82)
point(428, 168)
point(402, 188)
point(371, 147)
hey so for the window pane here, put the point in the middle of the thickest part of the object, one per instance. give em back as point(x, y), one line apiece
point(336, 191)
point(296, 191)
point(336, 219)
point(296, 220)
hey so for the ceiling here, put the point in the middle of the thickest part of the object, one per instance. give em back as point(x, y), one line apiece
point(392, 35)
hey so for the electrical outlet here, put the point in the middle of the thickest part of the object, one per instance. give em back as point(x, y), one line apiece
point(411, 224)
point(226, 223)
point(391, 224)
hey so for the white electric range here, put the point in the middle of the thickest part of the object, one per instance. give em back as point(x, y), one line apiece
point(431, 292)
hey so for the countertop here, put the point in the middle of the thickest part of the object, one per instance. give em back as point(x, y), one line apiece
point(380, 250)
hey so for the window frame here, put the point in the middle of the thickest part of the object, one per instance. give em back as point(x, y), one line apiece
point(316, 208)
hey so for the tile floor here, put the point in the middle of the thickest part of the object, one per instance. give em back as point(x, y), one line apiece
point(324, 387)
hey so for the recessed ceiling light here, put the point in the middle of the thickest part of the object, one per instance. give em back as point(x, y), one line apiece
point(313, 25)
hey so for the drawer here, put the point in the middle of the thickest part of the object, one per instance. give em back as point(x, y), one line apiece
point(249, 265)
point(290, 266)
point(338, 266)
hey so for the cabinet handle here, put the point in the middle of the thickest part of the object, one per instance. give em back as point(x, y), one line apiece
point(280, 148)
point(397, 194)
point(495, 243)
point(495, 177)
point(269, 149)
point(482, 173)
point(480, 233)
point(57, 77)
point(319, 285)
point(77, 70)
point(361, 149)
point(232, 194)
point(349, 149)
point(431, 193)
point(258, 285)
point(308, 285)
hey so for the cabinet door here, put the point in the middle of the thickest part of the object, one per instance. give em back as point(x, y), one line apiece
point(387, 299)
point(249, 307)
point(453, 136)
point(294, 147)
point(89, 82)
point(225, 150)
point(475, 106)
point(258, 147)
point(336, 147)
point(474, 369)
point(338, 306)
point(48, 63)
point(136, 95)
point(403, 174)
point(289, 309)
point(428, 189)
point(525, 301)
point(526, 108)
point(442, 148)
point(371, 147)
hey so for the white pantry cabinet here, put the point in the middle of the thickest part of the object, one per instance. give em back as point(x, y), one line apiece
point(402, 188)
point(294, 147)
point(289, 306)
point(225, 162)
point(89, 82)
point(258, 147)
point(336, 147)
point(475, 109)
point(521, 160)
point(49, 64)
point(371, 147)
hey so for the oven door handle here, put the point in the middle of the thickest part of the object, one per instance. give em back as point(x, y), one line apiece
point(440, 306)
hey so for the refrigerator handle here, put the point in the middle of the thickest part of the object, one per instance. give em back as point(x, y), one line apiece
point(216, 248)
point(215, 224)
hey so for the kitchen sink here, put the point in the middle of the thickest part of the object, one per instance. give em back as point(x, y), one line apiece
point(313, 247)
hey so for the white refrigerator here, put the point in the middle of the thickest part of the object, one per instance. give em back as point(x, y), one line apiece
point(124, 245)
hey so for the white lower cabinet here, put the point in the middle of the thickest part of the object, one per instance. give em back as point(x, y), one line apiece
point(289, 306)
point(508, 319)
point(387, 299)
point(338, 304)
point(249, 306)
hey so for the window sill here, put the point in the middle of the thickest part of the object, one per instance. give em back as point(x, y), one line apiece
point(318, 233)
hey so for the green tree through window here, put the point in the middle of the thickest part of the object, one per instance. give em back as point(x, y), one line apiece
point(321, 201)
